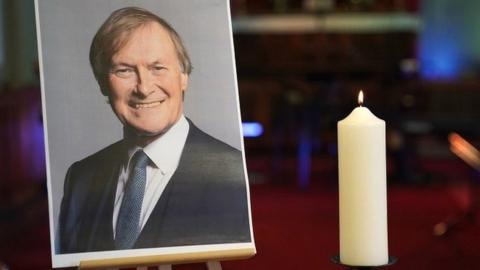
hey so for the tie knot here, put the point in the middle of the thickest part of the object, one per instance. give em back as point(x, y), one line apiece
point(140, 159)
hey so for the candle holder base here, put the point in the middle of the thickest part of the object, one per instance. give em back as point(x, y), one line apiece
point(336, 260)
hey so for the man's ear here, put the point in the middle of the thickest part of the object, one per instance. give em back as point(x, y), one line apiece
point(184, 81)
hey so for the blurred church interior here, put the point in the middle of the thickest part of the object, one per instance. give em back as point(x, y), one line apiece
point(300, 65)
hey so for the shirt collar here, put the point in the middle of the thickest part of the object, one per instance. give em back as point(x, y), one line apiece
point(165, 151)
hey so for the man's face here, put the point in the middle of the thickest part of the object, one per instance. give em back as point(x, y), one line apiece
point(146, 82)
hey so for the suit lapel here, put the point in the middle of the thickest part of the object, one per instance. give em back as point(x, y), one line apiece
point(102, 196)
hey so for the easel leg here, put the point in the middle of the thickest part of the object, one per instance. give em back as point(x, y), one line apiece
point(214, 265)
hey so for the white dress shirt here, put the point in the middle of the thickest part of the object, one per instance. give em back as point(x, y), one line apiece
point(164, 153)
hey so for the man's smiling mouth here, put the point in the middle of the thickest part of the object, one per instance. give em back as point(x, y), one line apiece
point(145, 105)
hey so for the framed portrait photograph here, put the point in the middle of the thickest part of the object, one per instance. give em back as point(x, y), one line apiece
point(144, 147)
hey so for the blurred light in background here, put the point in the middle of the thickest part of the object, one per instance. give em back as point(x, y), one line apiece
point(464, 150)
point(449, 40)
point(440, 56)
point(252, 129)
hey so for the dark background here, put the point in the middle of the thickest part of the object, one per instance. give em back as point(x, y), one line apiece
point(418, 62)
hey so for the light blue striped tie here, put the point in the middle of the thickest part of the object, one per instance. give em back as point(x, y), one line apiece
point(128, 222)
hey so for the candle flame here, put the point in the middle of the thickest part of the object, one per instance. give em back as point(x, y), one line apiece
point(360, 98)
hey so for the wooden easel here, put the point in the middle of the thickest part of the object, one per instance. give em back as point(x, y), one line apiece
point(211, 265)
point(164, 262)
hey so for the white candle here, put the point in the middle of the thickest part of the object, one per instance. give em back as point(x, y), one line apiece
point(363, 188)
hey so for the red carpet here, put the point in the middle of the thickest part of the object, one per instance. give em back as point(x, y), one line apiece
point(299, 230)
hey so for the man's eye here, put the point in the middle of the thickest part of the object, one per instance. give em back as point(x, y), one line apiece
point(157, 69)
point(123, 72)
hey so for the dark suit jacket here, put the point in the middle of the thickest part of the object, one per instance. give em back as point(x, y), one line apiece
point(205, 201)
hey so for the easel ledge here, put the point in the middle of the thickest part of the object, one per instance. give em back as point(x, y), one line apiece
point(179, 258)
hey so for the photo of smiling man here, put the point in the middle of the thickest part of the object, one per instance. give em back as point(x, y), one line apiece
point(166, 183)
point(144, 146)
